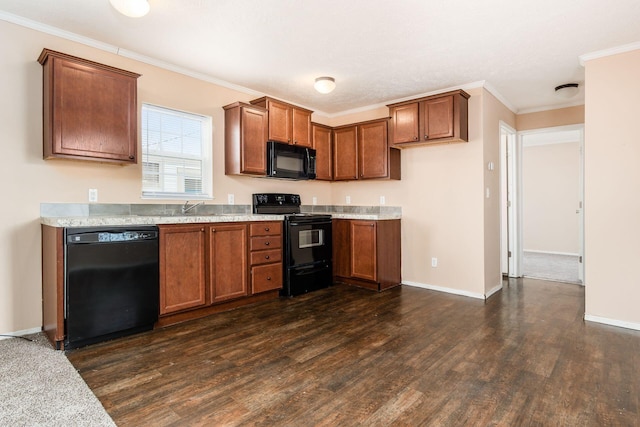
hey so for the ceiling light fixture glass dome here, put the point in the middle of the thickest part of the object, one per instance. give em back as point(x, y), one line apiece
point(131, 8)
point(567, 90)
point(325, 84)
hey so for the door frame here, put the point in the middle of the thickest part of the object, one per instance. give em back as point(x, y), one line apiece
point(515, 165)
point(510, 232)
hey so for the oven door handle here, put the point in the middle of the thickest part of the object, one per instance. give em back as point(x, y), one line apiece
point(309, 269)
point(310, 223)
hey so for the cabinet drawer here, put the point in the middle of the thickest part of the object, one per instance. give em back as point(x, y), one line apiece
point(259, 243)
point(266, 277)
point(266, 229)
point(266, 257)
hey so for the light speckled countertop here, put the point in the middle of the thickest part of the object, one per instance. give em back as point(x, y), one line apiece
point(97, 221)
point(96, 215)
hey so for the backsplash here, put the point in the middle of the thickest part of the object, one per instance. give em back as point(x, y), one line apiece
point(54, 210)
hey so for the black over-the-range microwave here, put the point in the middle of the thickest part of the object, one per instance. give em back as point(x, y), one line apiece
point(290, 161)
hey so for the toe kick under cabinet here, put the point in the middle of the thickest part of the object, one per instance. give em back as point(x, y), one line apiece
point(206, 268)
point(367, 253)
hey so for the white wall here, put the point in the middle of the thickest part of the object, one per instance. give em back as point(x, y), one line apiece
point(551, 180)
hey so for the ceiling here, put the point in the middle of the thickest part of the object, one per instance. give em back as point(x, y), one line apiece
point(377, 50)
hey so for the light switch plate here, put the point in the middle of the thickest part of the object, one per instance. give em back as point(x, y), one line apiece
point(93, 195)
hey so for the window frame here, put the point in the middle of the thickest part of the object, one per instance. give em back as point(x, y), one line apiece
point(206, 157)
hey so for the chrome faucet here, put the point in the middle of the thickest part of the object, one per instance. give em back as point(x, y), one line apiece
point(186, 208)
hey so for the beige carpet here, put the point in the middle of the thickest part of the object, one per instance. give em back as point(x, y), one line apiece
point(558, 268)
point(40, 387)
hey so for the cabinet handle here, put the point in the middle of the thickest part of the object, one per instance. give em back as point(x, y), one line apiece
point(266, 257)
point(266, 243)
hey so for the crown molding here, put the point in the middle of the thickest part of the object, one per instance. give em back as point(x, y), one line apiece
point(608, 52)
point(551, 107)
point(54, 31)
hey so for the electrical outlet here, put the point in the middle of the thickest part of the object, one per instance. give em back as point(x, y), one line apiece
point(348, 200)
point(434, 262)
point(93, 195)
point(231, 199)
point(314, 200)
point(382, 200)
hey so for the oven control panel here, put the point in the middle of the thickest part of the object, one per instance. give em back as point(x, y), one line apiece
point(276, 203)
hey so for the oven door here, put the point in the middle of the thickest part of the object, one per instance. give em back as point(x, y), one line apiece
point(308, 241)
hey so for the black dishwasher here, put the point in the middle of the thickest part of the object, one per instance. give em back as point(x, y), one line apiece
point(111, 282)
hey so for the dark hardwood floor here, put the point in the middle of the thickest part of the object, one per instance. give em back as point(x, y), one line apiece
point(407, 356)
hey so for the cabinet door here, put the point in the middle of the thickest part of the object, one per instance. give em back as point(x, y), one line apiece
point(94, 113)
point(279, 122)
point(363, 250)
point(373, 150)
point(301, 127)
point(228, 262)
point(404, 119)
point(322, 145)
point(182, 267)
point(345, 157)
point(266, 278)
point(253, 129)
point(341, 239)
point(438, 118)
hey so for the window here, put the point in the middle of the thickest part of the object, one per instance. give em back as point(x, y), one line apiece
point(176, 154)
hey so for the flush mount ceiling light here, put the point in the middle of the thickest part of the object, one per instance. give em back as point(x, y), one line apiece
point(325, 84)
point(568, 90)
point(131, 8)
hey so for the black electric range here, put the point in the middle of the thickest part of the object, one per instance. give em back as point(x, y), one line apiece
point(307, 243)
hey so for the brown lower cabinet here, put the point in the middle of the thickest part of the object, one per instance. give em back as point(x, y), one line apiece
point(204, 268)
point(367, 253)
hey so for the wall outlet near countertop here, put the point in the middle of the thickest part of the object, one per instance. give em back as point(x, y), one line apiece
point(93, 195)
point(231, 199)
point(434, 262)
point(347, 200)
point(314, 200)
point(382, 200)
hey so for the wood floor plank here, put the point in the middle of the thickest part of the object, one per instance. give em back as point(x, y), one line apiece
point(348, 356)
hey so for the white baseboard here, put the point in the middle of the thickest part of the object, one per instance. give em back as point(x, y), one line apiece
point(20, 333)
point(442, 289)
point(493, 291)
point(549, 252)
point(612, 322)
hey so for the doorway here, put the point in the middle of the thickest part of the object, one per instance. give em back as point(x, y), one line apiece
point(543, 213)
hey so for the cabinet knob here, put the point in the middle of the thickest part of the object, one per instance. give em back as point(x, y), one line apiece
point(266, 229)
point(416, 138)
point(266, 243)
point(426, 137)
point(268, 277)
point(131, 157)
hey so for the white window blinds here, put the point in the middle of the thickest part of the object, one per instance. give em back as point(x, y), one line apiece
point(176, 154)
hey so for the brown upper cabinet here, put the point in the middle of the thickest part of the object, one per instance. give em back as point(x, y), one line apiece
point(245, 139)
point(89, 111)
point(322, 143)
point(436, 119)
point(361, 151)
point(288, 123)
